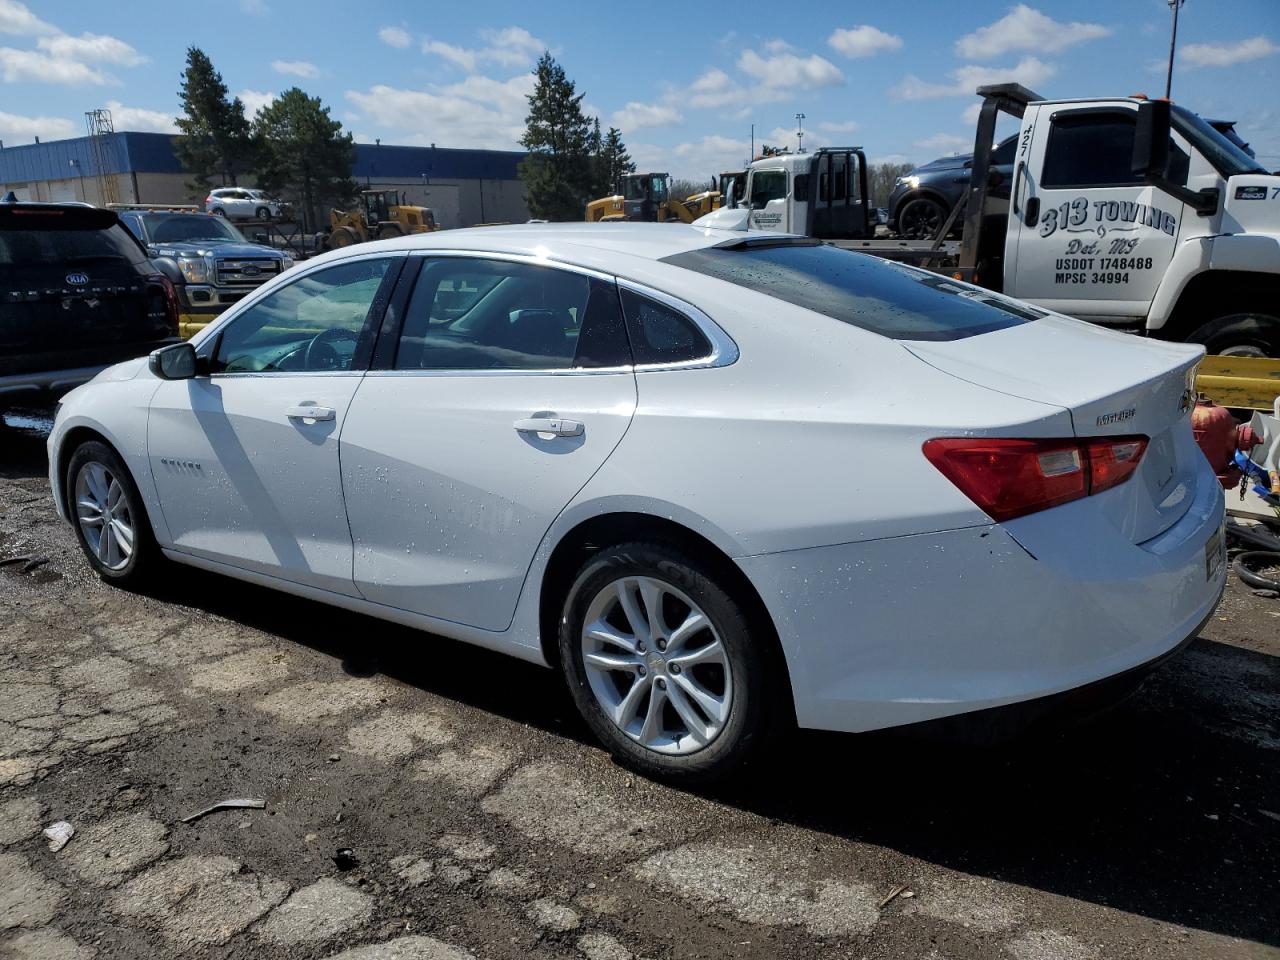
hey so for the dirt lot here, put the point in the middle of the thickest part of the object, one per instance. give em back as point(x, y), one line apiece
point(483, 822)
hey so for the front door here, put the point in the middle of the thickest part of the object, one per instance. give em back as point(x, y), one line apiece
point(245, 459)
point(509, 386)
point(768, 199)
point(1087, 237)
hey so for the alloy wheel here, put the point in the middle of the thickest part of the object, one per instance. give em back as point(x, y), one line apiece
point(656, 665)
point(102, 510)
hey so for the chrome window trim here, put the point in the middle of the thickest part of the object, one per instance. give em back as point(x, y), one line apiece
point(723, 350)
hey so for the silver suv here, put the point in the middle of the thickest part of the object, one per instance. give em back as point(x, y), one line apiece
point(239, 203)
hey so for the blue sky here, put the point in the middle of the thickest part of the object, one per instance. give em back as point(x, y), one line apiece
point(683, 81)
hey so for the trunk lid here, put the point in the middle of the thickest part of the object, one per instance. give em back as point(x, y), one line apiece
point(1113, 385)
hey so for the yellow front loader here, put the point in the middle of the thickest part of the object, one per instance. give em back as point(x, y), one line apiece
point(382, 216)
point(647, 197)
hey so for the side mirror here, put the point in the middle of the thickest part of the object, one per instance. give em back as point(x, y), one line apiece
point(1151, 140)
point(994, 178)
point(174, 362)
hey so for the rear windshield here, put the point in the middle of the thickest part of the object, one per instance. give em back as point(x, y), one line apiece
point(886, 298)
point(38, 238)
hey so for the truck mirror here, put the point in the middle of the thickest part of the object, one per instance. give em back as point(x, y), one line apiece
point(1151, 140)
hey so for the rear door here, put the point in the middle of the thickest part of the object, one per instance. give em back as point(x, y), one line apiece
point(500, 388)
point(75, 290)
point(1087, 237)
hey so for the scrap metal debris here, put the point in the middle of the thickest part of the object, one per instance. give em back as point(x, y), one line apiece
point(59, 834)
point(234, 803)
point(900, 890)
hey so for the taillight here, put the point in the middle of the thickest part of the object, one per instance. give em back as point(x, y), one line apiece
point(171, 309)
point(1011, 478)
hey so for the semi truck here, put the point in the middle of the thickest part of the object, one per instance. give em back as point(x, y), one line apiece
point(1124, 211)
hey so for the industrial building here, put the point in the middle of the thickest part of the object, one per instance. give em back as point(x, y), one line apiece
point(462, 187)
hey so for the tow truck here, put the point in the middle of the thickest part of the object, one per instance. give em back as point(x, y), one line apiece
point(1124, 211)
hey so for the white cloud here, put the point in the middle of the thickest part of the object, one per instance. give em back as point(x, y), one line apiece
point(863, 41)
point(1227, 54)
point(697, 160)
point(255, 100)
point(254, 8)
point(965, 80)
point(17, 18)
point(847, 126)
point(91, 48)
point(397, 37)
point(783, 69)
point(637, 116)
point(138, 118)
point(15, 129)
point(296, 68)
point(714, 88)
point(508, 47)
point(477, 112)
point(1025, 28)
point(38, 67)
point(946, 142)
point(971, 112)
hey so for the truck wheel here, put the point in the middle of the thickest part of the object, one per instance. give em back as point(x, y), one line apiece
point(342, 237)
point(389, 230)
point(1246, 333)
point(921, 218)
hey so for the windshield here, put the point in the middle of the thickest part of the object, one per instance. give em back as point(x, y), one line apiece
point(877, 295)
point(182, 227)
point(1226, 157)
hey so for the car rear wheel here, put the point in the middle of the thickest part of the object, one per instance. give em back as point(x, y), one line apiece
point(263, 214)
point(109, 517)
point(218, 212)
point(666, 666)
point(921, 218)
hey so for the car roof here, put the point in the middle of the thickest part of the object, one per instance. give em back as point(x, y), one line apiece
point(598, 245)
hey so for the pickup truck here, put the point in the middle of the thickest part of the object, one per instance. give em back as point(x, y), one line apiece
point(77, 294)
point(1123, 211)
point(218, 265)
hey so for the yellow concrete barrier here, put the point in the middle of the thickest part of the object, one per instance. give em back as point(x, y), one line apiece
point(1250, 383)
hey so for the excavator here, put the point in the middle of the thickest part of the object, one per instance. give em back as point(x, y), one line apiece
point(647, 197)
point(383, 216)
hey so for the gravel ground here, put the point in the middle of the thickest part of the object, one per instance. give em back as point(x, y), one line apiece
point(477, 819)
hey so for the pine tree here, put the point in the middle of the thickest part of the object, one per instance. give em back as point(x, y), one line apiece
point(615, 160)
point(215, 134)
point(595, 147)
point(303, 154)
point(558, 175)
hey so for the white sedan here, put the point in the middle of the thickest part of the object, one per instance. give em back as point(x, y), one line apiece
point(723, 483)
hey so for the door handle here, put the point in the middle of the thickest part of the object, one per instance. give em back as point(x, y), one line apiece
point(553, 425)
point(306, 411)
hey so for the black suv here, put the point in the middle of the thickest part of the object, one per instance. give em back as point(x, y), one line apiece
point(922, 200)
point(77, 294)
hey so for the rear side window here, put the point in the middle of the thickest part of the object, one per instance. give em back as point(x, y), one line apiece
point(477, 314)
point(661, 334)
point(41, 238)
point(886, 298)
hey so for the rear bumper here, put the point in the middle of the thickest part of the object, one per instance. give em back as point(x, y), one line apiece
point(900, 631)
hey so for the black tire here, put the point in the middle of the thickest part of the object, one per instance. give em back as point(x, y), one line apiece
point(263, 214)
point(1263, 559)
point(1243, 333)
point(146, 557)
point(388, 230)
point(757, 708)
point(218, 212)
point(921, 218)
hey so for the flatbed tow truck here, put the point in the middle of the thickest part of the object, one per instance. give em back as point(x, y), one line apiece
point(1125, 211)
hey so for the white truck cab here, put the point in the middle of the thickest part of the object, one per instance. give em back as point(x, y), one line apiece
point(1124, 211)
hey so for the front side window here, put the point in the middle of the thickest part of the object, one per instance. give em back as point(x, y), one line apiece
point(768, 185)
point(475, 314)
point(319, 323)
point(1096, 150)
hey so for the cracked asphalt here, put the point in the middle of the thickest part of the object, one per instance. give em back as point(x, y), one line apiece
point(482, 822)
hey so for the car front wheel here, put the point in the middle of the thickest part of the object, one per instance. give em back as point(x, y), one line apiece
point(667, 667)
point(109, 517)
point(921, 218)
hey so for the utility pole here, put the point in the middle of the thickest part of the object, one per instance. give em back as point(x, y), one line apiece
point(753, 144)
point(799, 133)
point(1174, 5)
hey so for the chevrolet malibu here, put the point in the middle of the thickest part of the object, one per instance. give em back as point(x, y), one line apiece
point(723, 483)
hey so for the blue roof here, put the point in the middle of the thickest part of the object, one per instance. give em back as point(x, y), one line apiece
point(153, 153)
